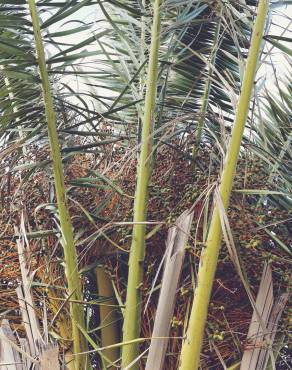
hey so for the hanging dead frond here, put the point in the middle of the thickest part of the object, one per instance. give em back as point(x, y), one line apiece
point(175, 253)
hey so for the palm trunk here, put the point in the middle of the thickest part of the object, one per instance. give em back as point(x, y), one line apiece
point(190, 355)
point(131, 328)
point(108, 317)
point(71, 266)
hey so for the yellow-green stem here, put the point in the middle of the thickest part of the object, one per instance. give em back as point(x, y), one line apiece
point(131, 328)
point(71, 266)
point(143, 50)
point(190, 354)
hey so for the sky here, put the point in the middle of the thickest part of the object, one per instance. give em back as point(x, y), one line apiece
point(281, 25)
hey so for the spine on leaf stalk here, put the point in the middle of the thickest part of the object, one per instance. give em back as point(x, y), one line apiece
point(190, 354)
point(71, 267)
point(131, 327)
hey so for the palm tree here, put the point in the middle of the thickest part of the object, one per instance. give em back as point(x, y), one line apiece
point(190, 355)
point(184, 76)
point(132, 327)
